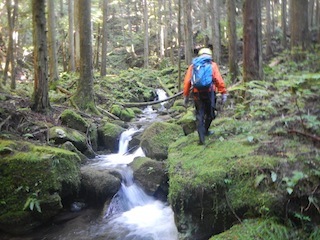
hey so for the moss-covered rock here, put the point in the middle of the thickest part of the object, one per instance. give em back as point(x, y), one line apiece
point(97, 185)
point(188, 122)
point(34, 180)
point(59, 135)
point(125, 114)
point(73, 120)
point(70, 147)
point(149, 174)
point(157, 137)
point(109, 135)
point(238, 173)
point(256, 229)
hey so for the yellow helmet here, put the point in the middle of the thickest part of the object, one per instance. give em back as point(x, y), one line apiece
point(205, 51)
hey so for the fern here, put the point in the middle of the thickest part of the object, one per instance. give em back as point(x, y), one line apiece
point(32, 203)
point(315, 234)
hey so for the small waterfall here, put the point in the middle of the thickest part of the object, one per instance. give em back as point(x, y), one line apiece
point(132, 214)
point(161, 96)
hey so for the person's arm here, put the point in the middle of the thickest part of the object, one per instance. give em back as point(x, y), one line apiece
point(219, 82)
point(187, 82)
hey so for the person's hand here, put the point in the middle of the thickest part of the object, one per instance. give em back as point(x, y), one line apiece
point(185, 101)
point(224, 98)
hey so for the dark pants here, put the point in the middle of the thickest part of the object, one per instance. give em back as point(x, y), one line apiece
point(205, 112)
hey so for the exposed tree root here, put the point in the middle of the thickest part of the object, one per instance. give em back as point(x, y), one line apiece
point(313, 137)
point(4, 122)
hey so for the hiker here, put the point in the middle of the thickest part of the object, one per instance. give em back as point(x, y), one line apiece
point(204, 79)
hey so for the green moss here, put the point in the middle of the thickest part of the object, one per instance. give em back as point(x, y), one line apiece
point(116, 110)
point(71, 134)
point(35, 170)
point(138, 162)
point(110, 129)
point(125, 114)
point(266, 229)
point(73, 120)
point(204, 166)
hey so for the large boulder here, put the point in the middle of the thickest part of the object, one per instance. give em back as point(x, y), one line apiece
point(73, 120)
point(59, 135)
point(157, 137)
point(188, 122)
point(97, 184)
point(109, 135)
point(150, 175)
point(34, 181)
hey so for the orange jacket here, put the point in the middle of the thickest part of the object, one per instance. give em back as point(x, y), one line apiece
point(216, 76)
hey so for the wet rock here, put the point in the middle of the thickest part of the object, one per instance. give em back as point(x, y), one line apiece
point(60, 135)
point(157, 137)
point(149, 174)
point(97, 185)
point(108, 136)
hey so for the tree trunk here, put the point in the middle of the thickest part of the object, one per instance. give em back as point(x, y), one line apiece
point(268, 26)
point(204, 19)
point(10, 60)
point(77, 34)
point(179, 45)
point(40, 100)
point(311, 13)
point(161, 28)
point(71, 36)
point(232, 43)
point(299, 29)
point(318, 20)
point(129, 22)
point(97, 46)
point(146, 34)
point(216, 31)
point(53, 61)
point(187, 6)
point(284, 23)
point(103, 71)
point(252, 55)
point(84, 96)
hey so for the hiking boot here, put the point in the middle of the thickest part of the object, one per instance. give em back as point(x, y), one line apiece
point(201, 139)
point(208, 133)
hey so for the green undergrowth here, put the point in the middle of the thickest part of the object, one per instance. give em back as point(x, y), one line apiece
point(32, 174)
point(262, 160)
point(266, 229)
point(227, 161)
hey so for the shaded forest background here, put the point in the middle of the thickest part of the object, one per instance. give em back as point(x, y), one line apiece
point(117, 35)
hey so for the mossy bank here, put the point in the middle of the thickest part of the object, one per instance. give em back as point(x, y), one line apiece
point(34, 179)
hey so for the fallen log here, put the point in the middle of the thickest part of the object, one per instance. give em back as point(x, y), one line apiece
point(108, 113)
point(142, 104)
point(65, 91)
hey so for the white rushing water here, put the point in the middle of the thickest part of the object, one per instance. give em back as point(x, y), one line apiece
point(161, 96)
point(132, 214)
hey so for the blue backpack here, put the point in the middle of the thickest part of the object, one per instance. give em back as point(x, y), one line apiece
point(202, 72)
